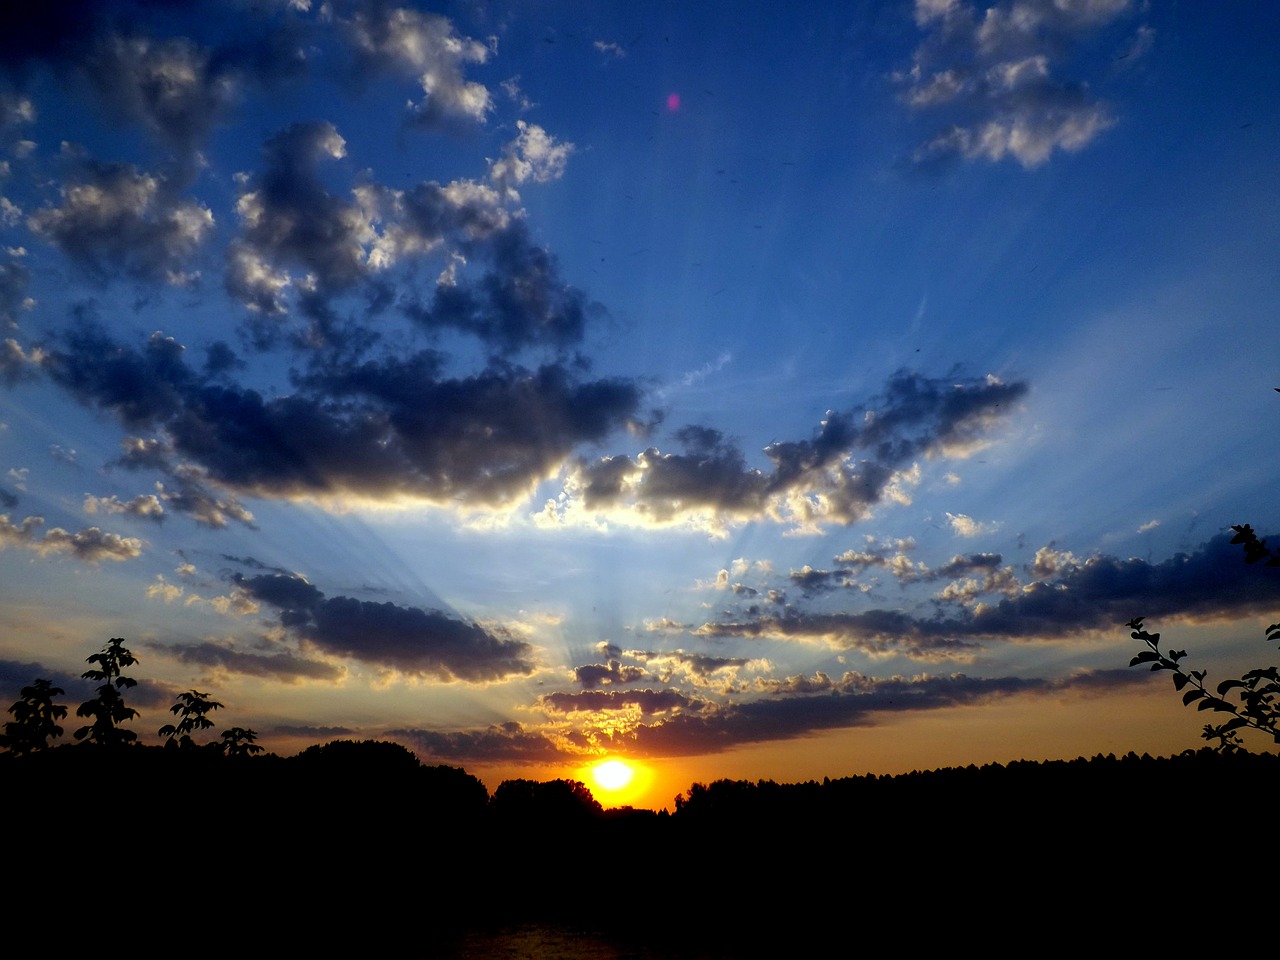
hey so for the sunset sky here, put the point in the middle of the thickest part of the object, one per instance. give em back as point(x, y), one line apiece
point(745, 390)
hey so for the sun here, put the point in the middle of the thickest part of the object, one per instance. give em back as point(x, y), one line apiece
point(612, 774)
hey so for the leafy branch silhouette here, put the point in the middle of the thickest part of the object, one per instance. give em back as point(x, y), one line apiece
point(1257, 691)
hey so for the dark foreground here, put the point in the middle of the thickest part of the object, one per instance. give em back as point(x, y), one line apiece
point(360, 848)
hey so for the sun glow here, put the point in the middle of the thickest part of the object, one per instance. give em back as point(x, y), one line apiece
point(612, 775)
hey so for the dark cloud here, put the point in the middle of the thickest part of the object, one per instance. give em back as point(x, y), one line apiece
point(220, 359)
point(253, 563)
point(16, 674)
point(648, 702)
point(969, 564)
point(593, 675)
point(411, 639)
point(171, 87)
point(836, 476)
point(1101, 593)
point(382, 429)
point(874, 632)
point(284, 590)
point(520, 301)
point(176, 87)
point(114, 218)
point(1104, 592)
point(854, 700)
point(812, 581)
point(288, 217)
point(285, 667)
point(509, 741)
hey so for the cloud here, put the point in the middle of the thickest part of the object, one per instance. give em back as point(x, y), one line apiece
point(696, 668)
point(1070, 597)
point(90, 545)
point(876, 633)
point(289, 218)
point(171, 87)
point(164, 591)
point(285, 667)
point(993, 72)
point(174, 87)
point(593, 675)
point(382, 430)
point(426, 46)
point(421, 642)
point(609, 48)
point(798, 707)
point(16, 364)
point(191, 496)
point(116, 218)
point(145, 506)
point(510, 741)
point(297, 235)
point(965, 526)
point(519, 301)
point(533, 155)
point(790, 708)
point(647, 702)
point(855, 460)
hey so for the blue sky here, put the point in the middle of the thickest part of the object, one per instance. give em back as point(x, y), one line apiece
point(790, 392)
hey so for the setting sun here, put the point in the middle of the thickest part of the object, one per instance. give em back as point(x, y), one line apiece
point(612, 775)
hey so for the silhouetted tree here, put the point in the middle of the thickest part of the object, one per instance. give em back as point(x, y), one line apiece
point(35, 719)
point(544, 800)
point(192, 708)
point(239, 742)
point(108, 708)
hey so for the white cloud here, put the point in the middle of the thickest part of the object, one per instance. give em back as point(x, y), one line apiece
point(533, 155)
point(966, 526)
point(426, 45)
point(161, 590)
point(991, 74)
point(90, 545)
